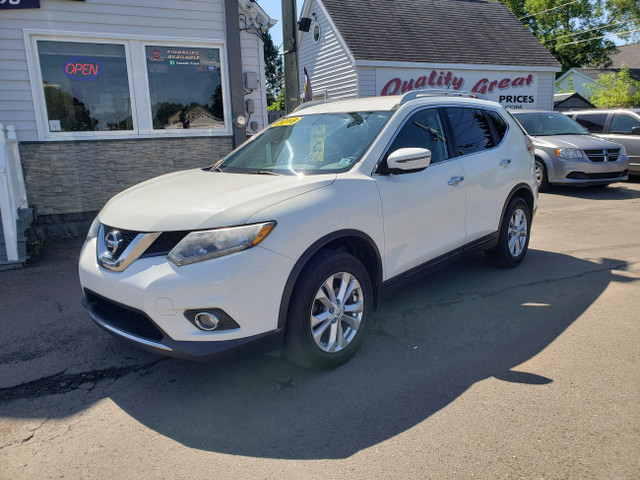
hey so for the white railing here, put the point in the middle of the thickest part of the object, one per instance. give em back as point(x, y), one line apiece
point(13, 195)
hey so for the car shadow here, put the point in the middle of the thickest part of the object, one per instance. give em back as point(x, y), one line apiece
point(428, 343)
point(616, 191)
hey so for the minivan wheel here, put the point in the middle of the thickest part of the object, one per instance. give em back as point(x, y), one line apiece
point(513, 237)
point(541, 175)
point(328, 311)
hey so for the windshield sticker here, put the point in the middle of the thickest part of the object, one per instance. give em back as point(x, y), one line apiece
point(287, 121)
point(318, 133)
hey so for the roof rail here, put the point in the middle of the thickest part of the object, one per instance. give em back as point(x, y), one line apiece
point(437, 93)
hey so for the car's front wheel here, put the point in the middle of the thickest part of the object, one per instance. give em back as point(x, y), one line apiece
point(541, 175)
point(328, 311)
point(513, 237)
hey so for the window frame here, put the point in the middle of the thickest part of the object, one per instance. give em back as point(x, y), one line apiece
point(139, 90)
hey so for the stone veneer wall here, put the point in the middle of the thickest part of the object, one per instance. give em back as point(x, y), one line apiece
point(68, 182)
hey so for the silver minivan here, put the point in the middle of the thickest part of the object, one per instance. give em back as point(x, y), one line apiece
point(567, 154)
point(619, 125)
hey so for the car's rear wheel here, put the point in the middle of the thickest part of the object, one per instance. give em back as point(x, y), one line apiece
point(513, 237)
point(541, 175)
point(328, 311)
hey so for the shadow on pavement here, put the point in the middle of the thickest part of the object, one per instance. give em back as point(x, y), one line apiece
point(427, 345)
point(615, 191)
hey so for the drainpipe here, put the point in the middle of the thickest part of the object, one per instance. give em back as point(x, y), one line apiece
point(236, 80)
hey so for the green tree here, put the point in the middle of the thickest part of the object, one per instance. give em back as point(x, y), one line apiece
point(615, 90)
point(273, 68)
point(625, 14)
point(279, 103)
point(573, 32)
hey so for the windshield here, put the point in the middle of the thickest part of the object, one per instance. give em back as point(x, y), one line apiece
point(548, 123)
point(307, 144)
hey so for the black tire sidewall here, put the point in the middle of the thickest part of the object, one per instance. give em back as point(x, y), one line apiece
point(300, 346)
point(503, 242)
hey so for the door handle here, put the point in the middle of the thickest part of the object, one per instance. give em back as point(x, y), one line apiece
point(455, 180)
point(504, 162)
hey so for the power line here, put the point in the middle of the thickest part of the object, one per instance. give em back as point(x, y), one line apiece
point(597, 38)
point(595, 28)
point(549, 9)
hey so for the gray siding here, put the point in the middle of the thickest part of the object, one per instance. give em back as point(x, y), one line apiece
point(546, 83)
point(366, 81)
point(327, 61)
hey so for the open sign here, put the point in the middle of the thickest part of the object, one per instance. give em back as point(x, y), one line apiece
point(82, 68)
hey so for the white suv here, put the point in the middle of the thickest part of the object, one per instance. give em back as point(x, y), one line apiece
point(289, 240)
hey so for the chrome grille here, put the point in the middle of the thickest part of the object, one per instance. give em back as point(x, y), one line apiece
point(603, 155)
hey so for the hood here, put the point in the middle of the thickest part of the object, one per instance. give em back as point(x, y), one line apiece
point(583, 142)
point(198, 199)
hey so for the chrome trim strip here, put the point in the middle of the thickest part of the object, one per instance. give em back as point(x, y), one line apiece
point(133, 251)
point(128, 336)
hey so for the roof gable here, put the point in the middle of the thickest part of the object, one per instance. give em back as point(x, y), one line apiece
point(436, 31)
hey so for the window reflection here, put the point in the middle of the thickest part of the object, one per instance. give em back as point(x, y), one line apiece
point(86, 86)
point(185, 85)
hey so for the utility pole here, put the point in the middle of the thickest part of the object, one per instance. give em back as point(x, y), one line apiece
point(290, 45)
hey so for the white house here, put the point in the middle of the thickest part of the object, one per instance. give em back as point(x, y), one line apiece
point(365, 48)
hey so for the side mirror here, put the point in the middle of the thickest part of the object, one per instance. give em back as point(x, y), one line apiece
point(635, 131)
point(409, 159)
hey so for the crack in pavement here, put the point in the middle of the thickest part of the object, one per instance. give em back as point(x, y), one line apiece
point(64, 383)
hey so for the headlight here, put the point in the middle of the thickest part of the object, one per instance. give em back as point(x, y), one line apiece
point(204, 245)
point(93, 230)
point(568, 153)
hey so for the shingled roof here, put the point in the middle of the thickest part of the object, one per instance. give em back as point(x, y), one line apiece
point(436, 31)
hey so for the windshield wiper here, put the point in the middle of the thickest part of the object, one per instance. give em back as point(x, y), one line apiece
point(262, 172)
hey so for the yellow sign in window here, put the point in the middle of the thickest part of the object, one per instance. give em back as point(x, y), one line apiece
point(286, 121)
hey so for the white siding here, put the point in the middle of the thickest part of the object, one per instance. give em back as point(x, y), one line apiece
point(195, 19)
point(546, 83)
point(327, 61)
point(366, 82)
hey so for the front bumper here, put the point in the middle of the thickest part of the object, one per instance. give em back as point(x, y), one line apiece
point(585, 172)
point(146, 303)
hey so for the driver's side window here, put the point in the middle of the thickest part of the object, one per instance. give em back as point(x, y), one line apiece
point(424, 129)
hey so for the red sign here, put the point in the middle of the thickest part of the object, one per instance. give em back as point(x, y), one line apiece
point(82, 68)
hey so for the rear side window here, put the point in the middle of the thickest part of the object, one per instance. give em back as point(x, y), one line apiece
point(594, 122)
point(499, 125)
point(621, 123)
point(471, 129)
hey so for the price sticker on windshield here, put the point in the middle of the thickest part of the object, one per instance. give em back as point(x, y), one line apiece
point(287, 121)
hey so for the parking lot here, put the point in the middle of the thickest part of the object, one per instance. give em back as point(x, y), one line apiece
point(473, 372)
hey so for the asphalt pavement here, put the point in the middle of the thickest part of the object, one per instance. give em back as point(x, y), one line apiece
point(473, 372)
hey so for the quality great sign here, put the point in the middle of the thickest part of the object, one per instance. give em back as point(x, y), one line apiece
point(515, 90)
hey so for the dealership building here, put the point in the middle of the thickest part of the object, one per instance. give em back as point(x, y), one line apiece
point(104, 94)
point(366, 48)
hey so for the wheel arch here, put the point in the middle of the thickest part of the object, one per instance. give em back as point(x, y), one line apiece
point(523, 191)
point(355, 242)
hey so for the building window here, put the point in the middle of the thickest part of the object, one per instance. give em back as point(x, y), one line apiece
point(86, 87)
point(96, 87)
point(185, 86)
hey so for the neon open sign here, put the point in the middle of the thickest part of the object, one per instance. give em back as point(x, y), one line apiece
point(82, 68)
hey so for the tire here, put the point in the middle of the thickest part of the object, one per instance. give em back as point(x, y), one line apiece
point(329, 311)
point(541, 176)
point(513, 237)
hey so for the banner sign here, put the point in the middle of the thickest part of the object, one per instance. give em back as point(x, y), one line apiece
point(14, 4)
point(515, 90)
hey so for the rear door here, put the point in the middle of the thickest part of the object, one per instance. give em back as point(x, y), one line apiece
point(490, 166)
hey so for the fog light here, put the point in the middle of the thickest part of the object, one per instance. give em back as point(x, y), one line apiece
point(206, 321)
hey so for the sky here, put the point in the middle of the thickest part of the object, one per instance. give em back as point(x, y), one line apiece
point(274, 10)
